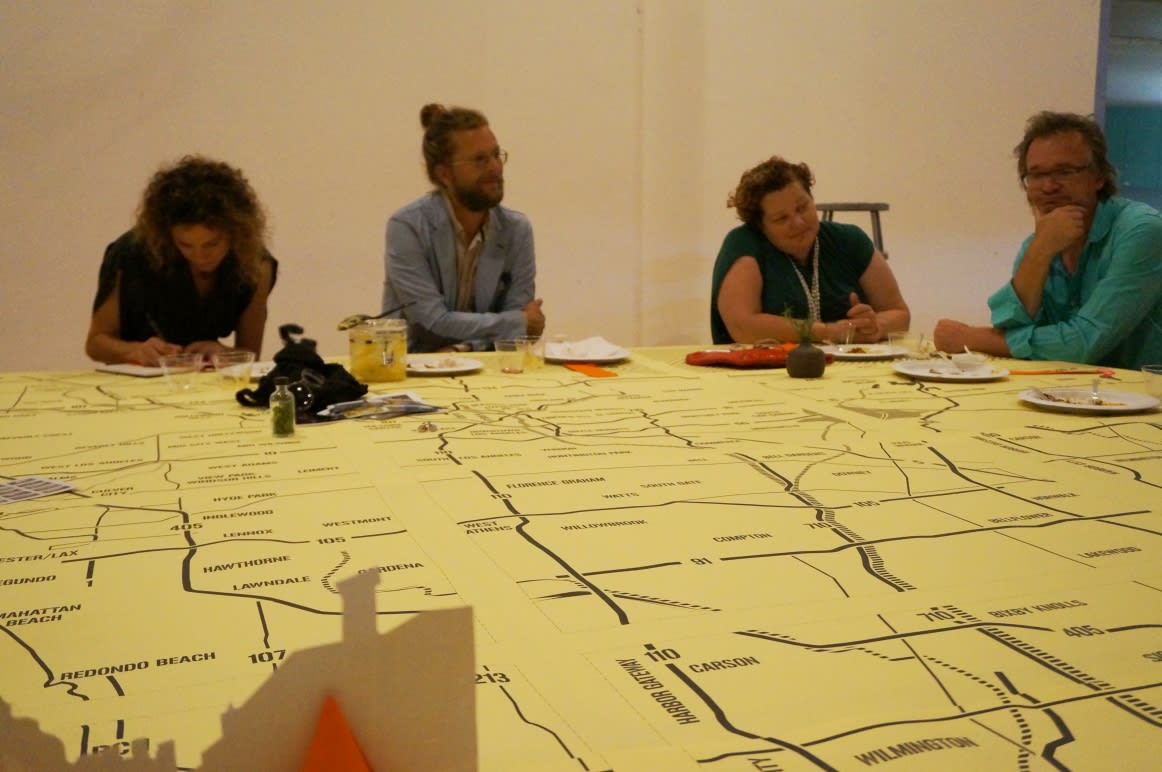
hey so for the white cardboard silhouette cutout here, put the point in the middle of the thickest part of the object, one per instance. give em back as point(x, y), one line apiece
point(408, 696)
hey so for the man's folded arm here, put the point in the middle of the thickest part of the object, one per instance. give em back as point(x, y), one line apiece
point(1120, 301)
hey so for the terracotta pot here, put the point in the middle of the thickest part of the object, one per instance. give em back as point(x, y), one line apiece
point(806, 361)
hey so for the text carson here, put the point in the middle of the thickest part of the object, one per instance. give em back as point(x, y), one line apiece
point(723, 664)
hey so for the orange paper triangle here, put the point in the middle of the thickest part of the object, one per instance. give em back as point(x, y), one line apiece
point(592, 370)
point(334, 748)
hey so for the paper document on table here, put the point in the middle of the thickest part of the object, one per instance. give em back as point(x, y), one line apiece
point(378, 406)
point(138, 371)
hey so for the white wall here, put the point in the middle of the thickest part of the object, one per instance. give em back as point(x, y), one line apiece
point(628, 123)
point(917, 104)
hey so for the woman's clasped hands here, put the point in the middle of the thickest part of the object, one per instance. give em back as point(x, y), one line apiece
point(862, 325)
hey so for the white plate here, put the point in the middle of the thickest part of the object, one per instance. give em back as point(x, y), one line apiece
point(1078, 401)
point(943, 370)
point(562, 353)
point(260, 369)
point(441, 364)
point(865, 351)
point(603, 360)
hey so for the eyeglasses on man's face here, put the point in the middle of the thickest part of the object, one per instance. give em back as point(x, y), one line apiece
point(482, 160)
point(1056, 176)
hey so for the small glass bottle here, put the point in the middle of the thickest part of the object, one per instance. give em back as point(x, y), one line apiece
point(282, 408)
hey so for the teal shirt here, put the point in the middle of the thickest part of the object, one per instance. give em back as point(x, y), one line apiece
point(845, 252)
point(1109, 312)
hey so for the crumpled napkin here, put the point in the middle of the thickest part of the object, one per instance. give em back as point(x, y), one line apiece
point(595, 347)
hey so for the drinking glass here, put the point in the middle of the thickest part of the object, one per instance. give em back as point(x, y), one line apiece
point(909, 344)
point(534, 351)
point(1153, 375)
point(510, 355)
point(180, 369)
point(233, 367)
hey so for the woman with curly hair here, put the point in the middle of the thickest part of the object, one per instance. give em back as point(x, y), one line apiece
point(784, 260)
point(193, 269)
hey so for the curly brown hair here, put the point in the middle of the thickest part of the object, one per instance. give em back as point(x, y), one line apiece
point(439, 122)
point(1047, 123)
point(773, 174)
point(199, 191)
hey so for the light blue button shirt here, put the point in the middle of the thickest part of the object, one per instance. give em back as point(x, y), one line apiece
point(1109, 312)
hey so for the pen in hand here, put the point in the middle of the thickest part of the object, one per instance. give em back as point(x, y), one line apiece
point(154, 327)
point(151, 353)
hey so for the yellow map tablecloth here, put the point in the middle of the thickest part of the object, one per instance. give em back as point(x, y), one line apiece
point(674, 568)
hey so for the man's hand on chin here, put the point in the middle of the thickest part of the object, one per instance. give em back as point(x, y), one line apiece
point(1060, 228)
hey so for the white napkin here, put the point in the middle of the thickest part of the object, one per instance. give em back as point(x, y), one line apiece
point(595, 347)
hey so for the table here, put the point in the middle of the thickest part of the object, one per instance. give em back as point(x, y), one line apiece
point(677, 567)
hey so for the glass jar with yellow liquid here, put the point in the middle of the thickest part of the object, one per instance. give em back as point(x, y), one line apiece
point(379, 349)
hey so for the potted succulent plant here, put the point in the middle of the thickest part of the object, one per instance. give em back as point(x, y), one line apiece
point(805, 360)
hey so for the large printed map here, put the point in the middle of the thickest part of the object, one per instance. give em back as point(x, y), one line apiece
point(674, 568)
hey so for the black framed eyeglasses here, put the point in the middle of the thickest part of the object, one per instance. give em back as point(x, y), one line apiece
point(1058, 175)
point(482, 160)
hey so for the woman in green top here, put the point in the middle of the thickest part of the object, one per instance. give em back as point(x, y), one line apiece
point(783, 259)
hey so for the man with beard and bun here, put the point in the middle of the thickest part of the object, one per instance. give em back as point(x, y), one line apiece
point(462, 264)
point(1087, 284)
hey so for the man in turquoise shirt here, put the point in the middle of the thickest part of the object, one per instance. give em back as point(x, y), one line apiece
point(1087, 284)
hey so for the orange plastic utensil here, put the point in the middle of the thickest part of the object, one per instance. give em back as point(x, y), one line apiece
point(1103, 372)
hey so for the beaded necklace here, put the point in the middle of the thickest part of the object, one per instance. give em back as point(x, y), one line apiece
point(812, 292)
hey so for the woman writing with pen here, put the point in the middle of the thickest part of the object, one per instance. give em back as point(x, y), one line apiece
point(193, 269)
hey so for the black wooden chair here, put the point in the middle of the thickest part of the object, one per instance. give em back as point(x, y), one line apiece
point(874, 209)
